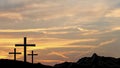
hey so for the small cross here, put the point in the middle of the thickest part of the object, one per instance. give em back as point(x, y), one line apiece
point(32, 56)
point(25, 48)
point(15, 53)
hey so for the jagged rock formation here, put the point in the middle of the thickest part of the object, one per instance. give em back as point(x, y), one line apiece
point(92, 62)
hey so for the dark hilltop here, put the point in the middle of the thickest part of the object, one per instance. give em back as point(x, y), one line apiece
point(94, 61)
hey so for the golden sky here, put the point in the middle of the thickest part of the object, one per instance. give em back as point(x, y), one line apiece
point(63, 30)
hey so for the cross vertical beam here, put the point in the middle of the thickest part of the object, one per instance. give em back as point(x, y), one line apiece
point(32, 58)
point(25, 47)
point(25, 59)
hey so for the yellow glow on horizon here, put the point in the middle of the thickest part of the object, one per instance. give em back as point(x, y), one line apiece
point(41, 43)
point(48, 61)
point(3, 57)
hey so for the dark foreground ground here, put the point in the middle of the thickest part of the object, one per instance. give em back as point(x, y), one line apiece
point(94, 61)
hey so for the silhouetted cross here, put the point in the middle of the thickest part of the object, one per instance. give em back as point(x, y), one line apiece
point(25, 48)
point(15, 53)
point(32, 56)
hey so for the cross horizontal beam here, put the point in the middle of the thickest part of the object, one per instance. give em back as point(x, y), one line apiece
point(24, 45)
point(32, 54)
point(14, 53)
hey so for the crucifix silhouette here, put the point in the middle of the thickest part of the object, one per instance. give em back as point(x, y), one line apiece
point(15, 53)
point(32, 54)
point(25, 47)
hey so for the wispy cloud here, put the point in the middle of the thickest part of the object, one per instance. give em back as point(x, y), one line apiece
point(88, 31)
point(58, 54)
point(113, 13)
point(11, 15)
point(38, 29)
point(107, 42)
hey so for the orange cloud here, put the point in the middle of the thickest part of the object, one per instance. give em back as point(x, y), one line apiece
point(11, 15)
point(112, 29)
point(40, 5)
point(49, 61)
point(88, 31)
point(61, 43)
point(107, 42)
point(39, 29)
point(23, 30)
point(58, 54)
point(113, 13)
point(115, 28)
point(9, 42)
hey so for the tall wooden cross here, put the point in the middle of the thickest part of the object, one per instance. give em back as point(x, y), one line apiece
point(15, 53)
point(32, 56)
point(25, 48)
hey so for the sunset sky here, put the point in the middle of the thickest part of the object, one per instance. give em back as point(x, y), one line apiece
point(63, 30)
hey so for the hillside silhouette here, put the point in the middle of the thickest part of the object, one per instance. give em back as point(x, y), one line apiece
point(11, 63)
point(94, 61)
